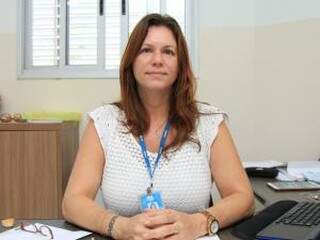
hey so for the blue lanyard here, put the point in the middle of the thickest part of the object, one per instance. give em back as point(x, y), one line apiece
point(161, 147)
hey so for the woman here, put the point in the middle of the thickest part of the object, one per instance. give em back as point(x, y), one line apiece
point(156, 153)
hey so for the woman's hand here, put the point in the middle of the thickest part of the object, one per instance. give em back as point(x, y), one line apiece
point(133, 228)
point(169, 224)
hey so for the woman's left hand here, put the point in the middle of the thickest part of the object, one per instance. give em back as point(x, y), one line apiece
point(169, 224)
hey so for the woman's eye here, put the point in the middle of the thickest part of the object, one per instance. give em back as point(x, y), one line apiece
point(145, 50)
point(169, 52)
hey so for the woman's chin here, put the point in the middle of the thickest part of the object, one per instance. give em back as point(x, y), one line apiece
point(156, 88)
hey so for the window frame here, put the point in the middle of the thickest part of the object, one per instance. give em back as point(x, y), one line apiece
point(63, 71)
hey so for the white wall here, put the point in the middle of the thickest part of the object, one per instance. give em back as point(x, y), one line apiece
point(282, 11)
point(223, 13)
point(258, 61)
point(8, 17)
point(287, 79)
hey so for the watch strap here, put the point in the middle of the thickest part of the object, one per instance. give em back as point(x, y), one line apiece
point(210, 220)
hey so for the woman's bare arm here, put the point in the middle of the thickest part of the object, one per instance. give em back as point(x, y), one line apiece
point(79, 204)
point(237, 200)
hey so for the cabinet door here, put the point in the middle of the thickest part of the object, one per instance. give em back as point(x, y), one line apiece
point(28, 174)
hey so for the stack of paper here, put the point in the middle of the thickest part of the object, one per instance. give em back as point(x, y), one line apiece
point(283, 175)
point(263, 164)
point(310, 170)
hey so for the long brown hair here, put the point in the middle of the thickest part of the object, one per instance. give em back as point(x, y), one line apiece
point(183, 111)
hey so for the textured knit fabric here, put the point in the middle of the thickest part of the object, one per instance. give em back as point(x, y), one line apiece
point(184, 178)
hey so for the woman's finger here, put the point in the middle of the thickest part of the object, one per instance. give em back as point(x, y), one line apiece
point(162, 231)
point(161, 218)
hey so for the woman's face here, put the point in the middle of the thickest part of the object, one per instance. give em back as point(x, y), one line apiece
point(156, 65)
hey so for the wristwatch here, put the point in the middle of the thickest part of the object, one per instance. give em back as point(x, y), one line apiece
point(212, 223)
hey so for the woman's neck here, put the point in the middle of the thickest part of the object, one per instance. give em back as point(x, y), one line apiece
point(157, 105)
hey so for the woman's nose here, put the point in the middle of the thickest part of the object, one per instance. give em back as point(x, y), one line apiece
point(157, 58)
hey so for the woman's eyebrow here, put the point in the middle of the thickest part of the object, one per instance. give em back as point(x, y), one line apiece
point(170, 46)
point(147, 44)
point(152, 45)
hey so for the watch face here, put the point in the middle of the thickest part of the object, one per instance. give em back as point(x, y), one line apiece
point(214, 227)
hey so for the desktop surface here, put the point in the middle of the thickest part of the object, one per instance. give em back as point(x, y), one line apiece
point(265, 196)
point(223, 235)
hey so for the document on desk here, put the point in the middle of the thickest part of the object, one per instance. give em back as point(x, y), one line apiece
point(58, 233)
point(214, 237)
point(263, 164)
point(310, 170)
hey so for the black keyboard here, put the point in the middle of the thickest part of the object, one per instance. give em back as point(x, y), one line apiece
point(304, 214)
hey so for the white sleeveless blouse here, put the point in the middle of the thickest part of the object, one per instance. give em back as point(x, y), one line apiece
point(184, 178)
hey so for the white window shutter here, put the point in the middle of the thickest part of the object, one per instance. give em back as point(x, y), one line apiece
point(72, 39)
point(82, 32)
point(45, 19)
point(177, 9)
point(139, 8)
point(112, 34)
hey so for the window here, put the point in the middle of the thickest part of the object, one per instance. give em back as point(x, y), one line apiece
point(85, 38)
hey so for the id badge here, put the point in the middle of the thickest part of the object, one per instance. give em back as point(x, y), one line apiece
point(152, 200)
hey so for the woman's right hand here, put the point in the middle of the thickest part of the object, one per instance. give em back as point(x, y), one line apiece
point(132, 228)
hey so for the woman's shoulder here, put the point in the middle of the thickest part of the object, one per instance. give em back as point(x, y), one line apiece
point(210, 118)
point(105, 111)
point(208, 109)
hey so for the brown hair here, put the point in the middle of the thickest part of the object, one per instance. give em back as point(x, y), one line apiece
point(183, 111)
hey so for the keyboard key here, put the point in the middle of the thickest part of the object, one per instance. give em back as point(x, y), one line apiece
point(304, 213)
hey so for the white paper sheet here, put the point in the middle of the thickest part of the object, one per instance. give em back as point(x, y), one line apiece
point(263, 164)
point(214, 237)
point(58, 233)
point(284, 176)
point(300, 167)
point(309, 170)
